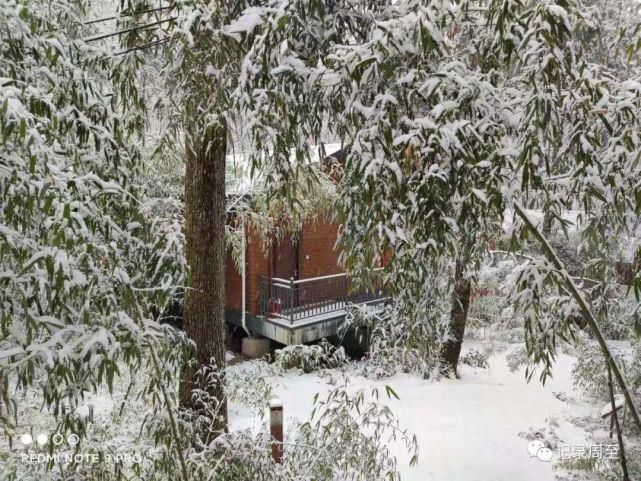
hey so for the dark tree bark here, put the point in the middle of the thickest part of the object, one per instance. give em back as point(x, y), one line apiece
point(547, 222)
point(204, 308)
point(458, 320)
point(1, 395)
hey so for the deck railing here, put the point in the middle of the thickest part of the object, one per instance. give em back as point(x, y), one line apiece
point(300, 299)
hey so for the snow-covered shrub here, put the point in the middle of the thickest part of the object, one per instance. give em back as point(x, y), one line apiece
point(567, 248)
point(618, 317)
point(590, 371)
point(246, 384)
point(485, 310)
point(475, 358)
point(374, 330)
point(589, 374)
point(347, 438)
point(510, 326)
point(496, 269)
point(310, 358)
point(613, 471)
point(395, 342)
point(517, 358)
point(490, 316)
point(506, 327)
point(604, 468)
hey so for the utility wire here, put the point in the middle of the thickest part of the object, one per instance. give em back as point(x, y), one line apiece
point(133, 14)
point(161, 41)
point(127, 30)
point(121, 15)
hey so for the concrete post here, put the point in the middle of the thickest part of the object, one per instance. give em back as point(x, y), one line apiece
point(276, 428)
point(255, 347)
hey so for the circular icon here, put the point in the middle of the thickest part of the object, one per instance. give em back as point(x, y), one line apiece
point(73, 439)
point(26, 439)
point(58, 439)
point(534, 446)
point(42, 439)
point(544, 454)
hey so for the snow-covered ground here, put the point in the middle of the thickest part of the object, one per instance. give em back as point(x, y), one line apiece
point(470, 429)
point(476, 428)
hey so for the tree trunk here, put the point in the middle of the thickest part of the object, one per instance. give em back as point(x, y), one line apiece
point(1, 395)
point(458, 319)
point(204, 309)
point(615, 420)
point(547, 222)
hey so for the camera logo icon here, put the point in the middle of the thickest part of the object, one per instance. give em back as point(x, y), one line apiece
point(57, 439)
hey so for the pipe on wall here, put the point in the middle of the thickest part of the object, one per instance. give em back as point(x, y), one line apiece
point(243, 276)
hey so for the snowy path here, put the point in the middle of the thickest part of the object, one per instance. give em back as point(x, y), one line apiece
point(467, 430)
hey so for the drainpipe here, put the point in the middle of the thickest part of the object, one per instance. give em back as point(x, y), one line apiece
point(243, 275)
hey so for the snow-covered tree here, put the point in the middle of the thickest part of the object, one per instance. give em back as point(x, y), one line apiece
point(200, 69)
point(85, 255)
point(444, 135)
point(203, 65)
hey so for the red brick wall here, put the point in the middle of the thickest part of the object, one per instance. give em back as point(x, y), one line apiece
point(317, 257)
point(233, 292)
point(316, 254)
point(257, 264)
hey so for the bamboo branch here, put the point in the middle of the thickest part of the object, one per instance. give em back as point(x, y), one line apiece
point(172, 419)
point(551, 256)
point(1, 395)
point(615, 419)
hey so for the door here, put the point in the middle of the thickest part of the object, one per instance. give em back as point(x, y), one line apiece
point(285, 258)
point(285, 266)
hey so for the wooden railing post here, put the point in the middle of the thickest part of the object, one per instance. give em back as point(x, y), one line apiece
point(276, 428)
point(312, 296)
point(291, 300)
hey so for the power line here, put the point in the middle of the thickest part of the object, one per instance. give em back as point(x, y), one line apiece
point(127, 30)
point(133, 14)
point(161, 41)
point(120, 15)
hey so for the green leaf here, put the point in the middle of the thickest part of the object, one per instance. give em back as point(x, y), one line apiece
point(390, 392)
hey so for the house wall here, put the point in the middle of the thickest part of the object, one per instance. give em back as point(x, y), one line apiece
point(257, 264)
point(317, 257)
point(233, 284)
point(316, 254)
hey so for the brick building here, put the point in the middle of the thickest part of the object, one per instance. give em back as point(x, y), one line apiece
point(292, 289)
point(309, 254)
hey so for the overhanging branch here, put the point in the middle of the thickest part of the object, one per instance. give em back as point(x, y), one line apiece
point(551, 256)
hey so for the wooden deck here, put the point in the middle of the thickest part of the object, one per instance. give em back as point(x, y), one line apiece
point(307, 329)
point(305, 310)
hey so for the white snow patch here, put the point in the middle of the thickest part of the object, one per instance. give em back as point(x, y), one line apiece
point(467, 429)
